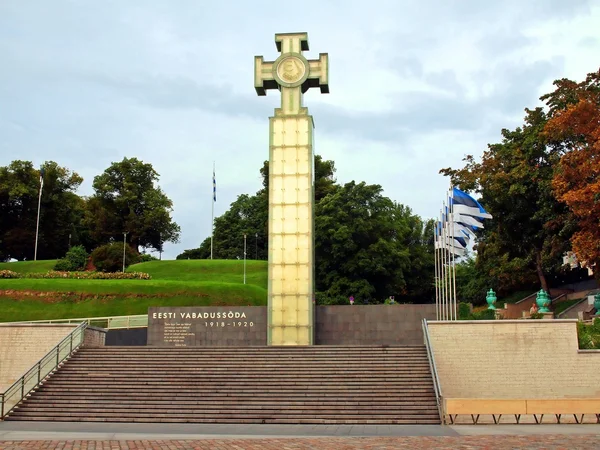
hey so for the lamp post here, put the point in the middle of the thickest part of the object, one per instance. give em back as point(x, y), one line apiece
point(124, 244)
point(256, 246)
point(244, 258)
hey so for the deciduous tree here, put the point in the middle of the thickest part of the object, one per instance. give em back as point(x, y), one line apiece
point(575, 123)
point(530, 228)
point(127, 199)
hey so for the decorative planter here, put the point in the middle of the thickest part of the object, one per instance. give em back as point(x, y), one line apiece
point(491, 299)
point(543, 301)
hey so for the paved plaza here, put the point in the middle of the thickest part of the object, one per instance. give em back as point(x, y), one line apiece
point(566, 442)
point(23, 435)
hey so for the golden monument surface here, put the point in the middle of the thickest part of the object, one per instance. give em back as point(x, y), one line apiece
point(291, 194)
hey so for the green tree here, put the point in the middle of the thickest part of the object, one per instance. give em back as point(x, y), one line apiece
point(60, 212)
point(363, 245)
point(127, 199)
point(530, 229)
point(249, 214)
point(203, 252)
point(471, 282)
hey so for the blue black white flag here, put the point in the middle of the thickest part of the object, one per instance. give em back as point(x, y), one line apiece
point(463, 203)
point(214, 186)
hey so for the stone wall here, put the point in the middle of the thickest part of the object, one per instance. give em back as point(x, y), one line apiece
point(513, 359)
point(21, 346)
point(371, 324)
point(94, 337)
point(207, 326)
point(334, 325)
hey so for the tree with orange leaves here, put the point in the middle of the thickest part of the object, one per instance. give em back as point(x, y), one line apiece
point(574, 122)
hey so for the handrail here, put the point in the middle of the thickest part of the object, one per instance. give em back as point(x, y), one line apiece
point(40, 370)
point(574, 305)
point(434, 374)
point(526, 298)
point(109, 322)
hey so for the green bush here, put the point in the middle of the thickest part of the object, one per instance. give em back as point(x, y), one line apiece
point(109, 257)
point(144, 257)
point(75, 259)
point(589, 335)
point(465, 313)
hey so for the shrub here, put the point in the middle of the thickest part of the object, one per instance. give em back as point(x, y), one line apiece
point(109, 257)
point(91, 275)
point(8, 274)
point(75, 259)
point(466, 313)
point(144, 257)
point(589, 335)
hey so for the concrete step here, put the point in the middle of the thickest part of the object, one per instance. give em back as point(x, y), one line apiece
point(383, 385)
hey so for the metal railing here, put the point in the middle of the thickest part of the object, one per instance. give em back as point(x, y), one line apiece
point(434, 374)
point(108, 322)
point(40, 370)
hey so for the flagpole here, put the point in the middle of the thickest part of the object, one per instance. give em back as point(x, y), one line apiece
point(450, 256)
point(453, 261)
point(37, 227)
point(435, 278)
point(212, 215)
point(443, 267)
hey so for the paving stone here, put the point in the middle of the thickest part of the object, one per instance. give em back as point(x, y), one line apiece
point(548, 442)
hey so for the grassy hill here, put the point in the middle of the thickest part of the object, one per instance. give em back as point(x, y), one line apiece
point(29, 266)
point(176, 283)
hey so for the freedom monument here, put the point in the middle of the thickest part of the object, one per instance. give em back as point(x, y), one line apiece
point(291, 193)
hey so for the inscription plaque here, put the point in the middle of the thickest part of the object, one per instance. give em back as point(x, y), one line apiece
point(207, 326)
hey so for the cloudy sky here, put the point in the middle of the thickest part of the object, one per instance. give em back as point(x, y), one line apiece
point(415, 86)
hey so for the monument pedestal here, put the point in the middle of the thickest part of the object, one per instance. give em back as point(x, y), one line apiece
point(291, 224)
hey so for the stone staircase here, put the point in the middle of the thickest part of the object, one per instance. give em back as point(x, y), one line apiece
point(287, 385)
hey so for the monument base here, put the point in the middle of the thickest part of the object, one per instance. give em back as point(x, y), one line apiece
point(291, 242)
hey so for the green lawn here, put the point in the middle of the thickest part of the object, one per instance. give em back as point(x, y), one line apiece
point(229, 271)
point(176, 283)
point(29, 266)
point(562, 305)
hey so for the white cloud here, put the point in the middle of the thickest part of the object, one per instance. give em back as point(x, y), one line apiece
point(415, 85)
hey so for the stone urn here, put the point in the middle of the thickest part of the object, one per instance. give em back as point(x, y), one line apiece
point(491, 299)
point(543, 301)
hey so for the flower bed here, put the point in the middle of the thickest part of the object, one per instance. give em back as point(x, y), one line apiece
point(8, 274)
point(78, 275)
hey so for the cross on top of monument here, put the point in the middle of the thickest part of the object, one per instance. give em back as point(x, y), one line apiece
point(291, 72)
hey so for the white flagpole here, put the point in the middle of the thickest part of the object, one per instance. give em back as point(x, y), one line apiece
point(447, 274)
point(435, 259)
point(37, 227)
point(443, 268)
point(453, 262)
point(453, 292)
point(212, 216)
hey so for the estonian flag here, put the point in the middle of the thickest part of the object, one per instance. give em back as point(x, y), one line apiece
point(470, 222)
point(463, 203)
point(214, 187)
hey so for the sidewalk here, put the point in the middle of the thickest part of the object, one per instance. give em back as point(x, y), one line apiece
point(65, 431)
